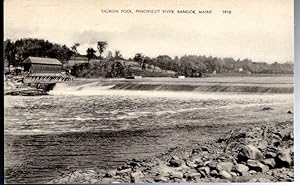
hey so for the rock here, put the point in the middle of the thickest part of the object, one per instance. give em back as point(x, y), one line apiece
point(233, 174)
point(252, 180)
point(250, 152)
point(191, 164)
point(252, 172)
point(284, 158)
point(242, 169)
point(136, 177)
point(288, 136)
point(271, 154)
point(195, 163)
point(160, 178)
point(212, 164)
point(269, 162)
point(110, 173)
point(204, 169)
point(204, 149)
point(269, 173)
point(224, 174)
point(257, 166)
point(175, 162)
point(125, 171)
point(107, 180)
point(176, 174)
point(262, 145)
point(290, 174)
point(194, 175)
point(199, 162)
point(214, 173)
point(196, 151)
point(227, 166)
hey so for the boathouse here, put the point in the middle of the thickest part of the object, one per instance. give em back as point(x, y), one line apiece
point(42, 65)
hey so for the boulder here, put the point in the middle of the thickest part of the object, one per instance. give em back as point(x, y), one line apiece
point(284, 158)
point(124, 171)
point(204, 169)
point(271, 155)
point(250, 152)
point(257, 166)
point(233, 174)
point(224, 174)
point(175, 162)
point(197, 162)
point(136, 177)
point(227, 166)
point(160, 178)
point(262, 145)
point(214, 173)
point(269, 162)
point(212, 164)
point(176, 174)
point(194, 175)
point(110, 173)
point(241, 169)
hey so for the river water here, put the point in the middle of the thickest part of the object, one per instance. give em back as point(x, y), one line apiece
point(92, 127)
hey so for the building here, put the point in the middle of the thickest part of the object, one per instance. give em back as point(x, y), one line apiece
point(42, 65)
point(74, 60)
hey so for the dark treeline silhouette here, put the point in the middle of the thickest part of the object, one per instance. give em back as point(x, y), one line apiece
point(114, 65)
point(17, 51)
point(197, 66)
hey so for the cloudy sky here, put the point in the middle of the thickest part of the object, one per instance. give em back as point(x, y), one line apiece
point(258, 29)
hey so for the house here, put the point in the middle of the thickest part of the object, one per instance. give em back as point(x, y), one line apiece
point(42, 65)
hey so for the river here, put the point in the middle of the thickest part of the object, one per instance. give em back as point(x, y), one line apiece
point(88, 126)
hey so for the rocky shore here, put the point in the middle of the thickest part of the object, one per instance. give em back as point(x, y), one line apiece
point(257, 154)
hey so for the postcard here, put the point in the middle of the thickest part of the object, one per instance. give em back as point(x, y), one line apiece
point(140, 91)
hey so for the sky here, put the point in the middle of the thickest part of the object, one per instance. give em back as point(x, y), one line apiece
point(262, 30)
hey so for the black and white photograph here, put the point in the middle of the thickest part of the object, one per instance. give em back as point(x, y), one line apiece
point(140, 91)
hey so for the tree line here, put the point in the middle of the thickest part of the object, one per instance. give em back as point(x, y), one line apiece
point(187, 65)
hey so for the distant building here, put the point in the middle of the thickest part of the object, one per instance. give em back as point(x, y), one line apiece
point(74, 60)
point(42, 65)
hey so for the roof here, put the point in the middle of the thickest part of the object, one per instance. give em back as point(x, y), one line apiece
point(40, 60)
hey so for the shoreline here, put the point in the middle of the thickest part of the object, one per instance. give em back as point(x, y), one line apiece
point(256, 154)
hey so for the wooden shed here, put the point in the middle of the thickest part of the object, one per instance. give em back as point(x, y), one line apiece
point(42, 65)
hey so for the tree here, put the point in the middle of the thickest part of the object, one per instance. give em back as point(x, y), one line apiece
point(74, 48)
point(118, 55)
point(90, 53)
point(109, 55)
point(101, 45)
point(16, 52)
point(139, 58)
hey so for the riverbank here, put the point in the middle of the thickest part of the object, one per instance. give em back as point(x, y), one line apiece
point(256, 154)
